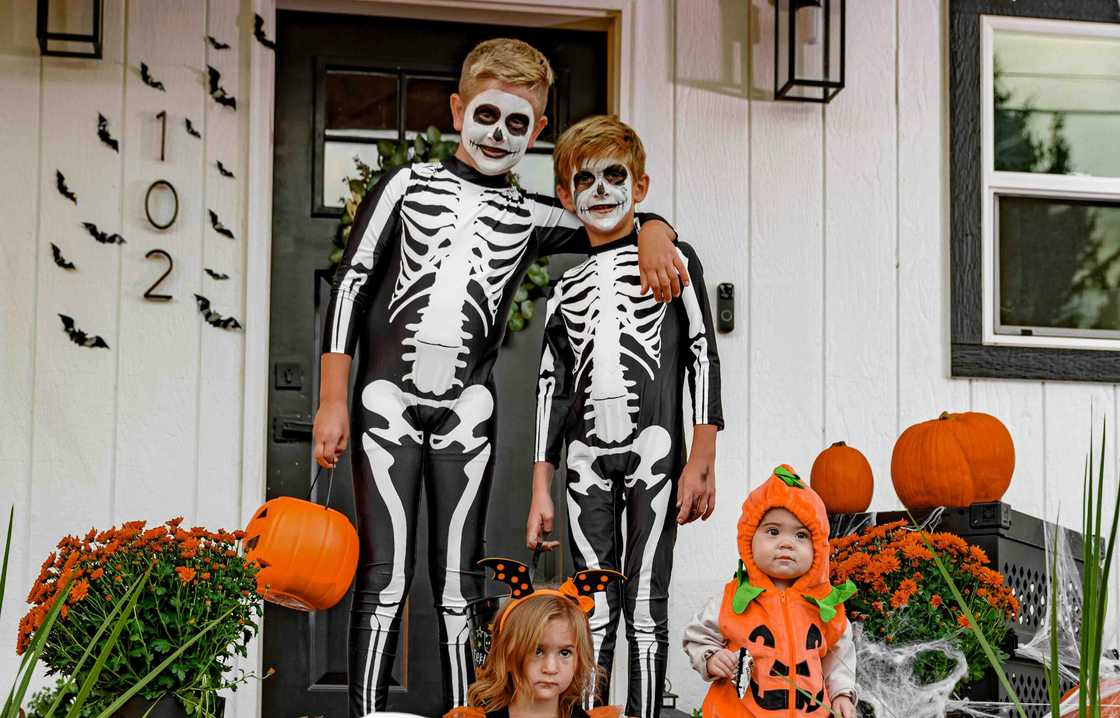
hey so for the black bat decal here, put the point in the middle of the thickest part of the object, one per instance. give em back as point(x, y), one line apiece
point(60, 182)
point(218, 226)
point(79, 337)
point(190, 128)
point(148, 79)
point(102, 237)
point(222, 169)
point(213, 318)
point(258, 32)
point(217, 91)
point(214, 43)
point(59, 259)
point(215, 275)
point(103, 132)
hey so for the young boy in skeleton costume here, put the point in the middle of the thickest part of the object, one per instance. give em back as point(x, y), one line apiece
point(436, 252)
point(611, 391)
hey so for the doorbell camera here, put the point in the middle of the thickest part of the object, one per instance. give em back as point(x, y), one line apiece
point(725, 307)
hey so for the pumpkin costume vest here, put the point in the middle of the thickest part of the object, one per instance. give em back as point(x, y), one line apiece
point(786, 632)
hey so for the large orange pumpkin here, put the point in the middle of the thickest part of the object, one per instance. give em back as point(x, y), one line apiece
point(954, 460)
point(842, 477)
point(1109, 699)
point(308, 553)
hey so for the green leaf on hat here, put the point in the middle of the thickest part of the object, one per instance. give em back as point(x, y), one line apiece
point(789, 477)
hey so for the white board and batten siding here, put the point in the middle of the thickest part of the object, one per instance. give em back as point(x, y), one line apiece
point(830, 221)
point(152, 427)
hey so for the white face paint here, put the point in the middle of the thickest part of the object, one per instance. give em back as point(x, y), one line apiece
point(603, 191)
point(497, 126)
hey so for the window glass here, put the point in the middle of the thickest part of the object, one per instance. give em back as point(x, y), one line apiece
point(1059, 266)
point(1057, 103)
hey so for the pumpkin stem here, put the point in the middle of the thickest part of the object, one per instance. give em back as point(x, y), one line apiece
point(838, 443)
point(944, 416)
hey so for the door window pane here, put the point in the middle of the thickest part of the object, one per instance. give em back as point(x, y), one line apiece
point(1057, 103)
point(359, 104)
point(426, 103)
point(1059, 266)
point(338, 164)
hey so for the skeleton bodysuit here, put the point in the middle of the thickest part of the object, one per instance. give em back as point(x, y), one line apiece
point(435, 255)
point(611, 388)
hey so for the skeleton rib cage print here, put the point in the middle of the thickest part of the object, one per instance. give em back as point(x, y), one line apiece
point(614, 360)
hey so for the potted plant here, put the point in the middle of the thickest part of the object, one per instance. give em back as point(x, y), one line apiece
point(904, 599)
point(194, 579)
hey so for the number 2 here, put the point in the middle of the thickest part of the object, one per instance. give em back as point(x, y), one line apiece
point(150, 294)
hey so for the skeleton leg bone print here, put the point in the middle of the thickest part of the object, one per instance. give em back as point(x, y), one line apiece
point(452, 441)
point(640, 476)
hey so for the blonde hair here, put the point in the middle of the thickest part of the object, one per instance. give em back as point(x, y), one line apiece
point(595, 137)
point(513, 62)
point(500, 679)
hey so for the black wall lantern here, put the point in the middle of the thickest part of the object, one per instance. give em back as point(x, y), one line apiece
point(808, 49)
point(69, 44)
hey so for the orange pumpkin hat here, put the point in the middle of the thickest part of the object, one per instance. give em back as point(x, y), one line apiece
point(784, 489)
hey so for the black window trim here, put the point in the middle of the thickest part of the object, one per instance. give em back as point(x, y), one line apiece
point(970, 357)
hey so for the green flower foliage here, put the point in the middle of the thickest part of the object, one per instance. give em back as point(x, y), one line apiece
point(197, 608)
point(429, 146)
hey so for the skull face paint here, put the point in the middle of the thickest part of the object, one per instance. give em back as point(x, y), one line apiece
point(603, 192)
point(497, 126)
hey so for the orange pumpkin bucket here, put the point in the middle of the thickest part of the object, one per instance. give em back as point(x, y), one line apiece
point(307, 553)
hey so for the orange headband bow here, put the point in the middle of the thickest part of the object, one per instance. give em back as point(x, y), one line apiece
point(577, 588)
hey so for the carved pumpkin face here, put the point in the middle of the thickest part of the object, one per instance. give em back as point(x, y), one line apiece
point(771, 681)
point(307, 553)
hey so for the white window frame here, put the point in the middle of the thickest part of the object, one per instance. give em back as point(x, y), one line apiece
point(1030, 184)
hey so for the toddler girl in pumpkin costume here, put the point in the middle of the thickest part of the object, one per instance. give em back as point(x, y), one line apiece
point(777, 642)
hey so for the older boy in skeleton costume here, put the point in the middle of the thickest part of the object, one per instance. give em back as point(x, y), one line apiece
point(436, 253)
point(611, 389)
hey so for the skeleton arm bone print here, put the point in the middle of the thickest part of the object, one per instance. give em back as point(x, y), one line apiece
point(375, 226)
point(703, 367)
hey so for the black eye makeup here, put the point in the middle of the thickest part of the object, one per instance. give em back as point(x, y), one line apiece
point(615, 174)
point(517, 123)
point(486, 114)
point(582, 180)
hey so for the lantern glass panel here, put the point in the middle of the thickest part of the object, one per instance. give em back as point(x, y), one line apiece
point(70, 28)
point(809, 49)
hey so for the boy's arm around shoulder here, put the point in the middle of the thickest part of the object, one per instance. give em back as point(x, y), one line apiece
point(702, 637)
point(703, 368)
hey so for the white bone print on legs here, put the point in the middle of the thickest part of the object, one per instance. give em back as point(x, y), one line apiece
point(451, 440)
point(456, 257)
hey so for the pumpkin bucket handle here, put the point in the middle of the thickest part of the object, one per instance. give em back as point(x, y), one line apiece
point(330, 485)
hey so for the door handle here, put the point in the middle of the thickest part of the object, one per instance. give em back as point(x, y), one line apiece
point(292, 428)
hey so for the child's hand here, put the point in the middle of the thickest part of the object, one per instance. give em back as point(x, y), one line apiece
point(843, 705)
point(723, 664)
point(330, 433)
point(659, 262)
point(696, 490)
point(541, 512)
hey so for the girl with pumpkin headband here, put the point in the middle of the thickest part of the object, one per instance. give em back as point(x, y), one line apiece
point(777, 642)
point(541, 662)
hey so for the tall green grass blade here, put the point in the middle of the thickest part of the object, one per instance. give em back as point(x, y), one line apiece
point(973, 625)
point(94, 642)
point(1053, 673)
point(31, 658)
point(127, 695)
point(91, 678)
point(7, 550)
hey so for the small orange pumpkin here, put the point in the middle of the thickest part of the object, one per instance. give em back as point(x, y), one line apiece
point(1109, 698)
point(842, 477)
point(307, 553)
point(954, 460)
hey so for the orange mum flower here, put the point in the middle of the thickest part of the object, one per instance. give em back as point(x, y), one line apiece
point(186, 575)
point(962, 620)
point(935, 601)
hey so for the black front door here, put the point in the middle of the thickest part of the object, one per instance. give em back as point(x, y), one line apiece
point(342, 83)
